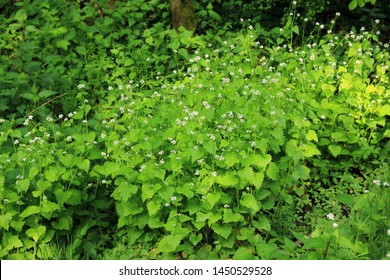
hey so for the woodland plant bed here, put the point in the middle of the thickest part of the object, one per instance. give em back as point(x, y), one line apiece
point(252, 150)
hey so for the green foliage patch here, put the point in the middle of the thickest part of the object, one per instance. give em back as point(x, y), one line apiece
point(234, 145)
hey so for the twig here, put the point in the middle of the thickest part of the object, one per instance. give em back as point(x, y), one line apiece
point(44, 104)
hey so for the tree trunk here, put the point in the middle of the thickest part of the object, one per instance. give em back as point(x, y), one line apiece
point(183, 14)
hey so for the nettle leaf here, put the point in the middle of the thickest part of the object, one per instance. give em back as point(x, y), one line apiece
point(231, 159)
point(301, 172)
point(335, 150)
point(153, 207)
point(384, 110)
point(260, 161)
point(243, 253)
point(262, 224)
point(311, 135)
point(30, 210)
point(223, 230)
point(22, 185)
point(84, 165)
point(273, 171)
point(246, 174)
point(185, 190)
point(52, 174)
point(213, 198)
point(36, 233)
point(160, 174)
point(293, 151)
point(124, 190)
point(310, 150)
point(195, 239)
point(68, 160)
point(64, 223)
point(169, 244)
point(71, 197)
point(49, 207)
point(34, 171)
point(74, 198)
point(230, 217)
point(227, 180)
point(249, 201)
point(258, 179)
point(12, 241)
point(149, 190)
point(5, 219)
point(63, 44)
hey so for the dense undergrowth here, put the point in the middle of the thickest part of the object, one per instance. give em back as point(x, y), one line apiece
point(154, 144)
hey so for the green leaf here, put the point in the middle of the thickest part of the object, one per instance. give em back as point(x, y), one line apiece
point(52, 174)
point(195, 239)
point(36, 233)
point(62, 44)
point(310, 150)
point(258, 179)
point(213, 198)
point(74, 198)
point(249, 201)
point(262, 224)
point(315, 243)
point(124, 190)
point(301, 172)
point(34, 171)
point(352, 5)
point(273, 171)
point(12, 241)
point(243, 253)
point(160, 174)
point(107, 21)
point(168, 244)
point(30, 210)
point(84, 165)
point(227, 180)
point(246, 174)
point(230, 217)
point(5, 219)
point(21, 15)
point(231, 159)
point(295, 29)
point(64, 223)
point(223, 230)
point(46, 93)
point(68, 160)
point(148, 191)
point(261, 161)
point(153, 207)
point(335, 150)
point(49, 207)
point(311, 135)
point(384, 110)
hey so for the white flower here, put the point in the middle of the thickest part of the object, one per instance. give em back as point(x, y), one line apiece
point(377, 182)
point(388, 232)
point(173, 198)
point(214, 173)
point(330, 216)
point(335, 225)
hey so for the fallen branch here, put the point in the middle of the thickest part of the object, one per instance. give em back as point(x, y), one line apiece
point(44, 104)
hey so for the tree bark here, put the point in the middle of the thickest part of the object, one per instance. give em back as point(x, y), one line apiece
point(183, 14)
